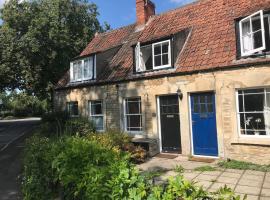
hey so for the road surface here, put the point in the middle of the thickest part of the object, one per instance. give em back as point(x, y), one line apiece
point(12, 136)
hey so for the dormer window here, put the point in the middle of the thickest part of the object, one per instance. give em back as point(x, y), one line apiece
point(254, 34)
point(153, 56)
point(82, 70)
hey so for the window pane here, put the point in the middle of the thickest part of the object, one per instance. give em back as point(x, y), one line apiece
point(255, 121)
point(96, 108)
point(157, 61)
point(254, 102)
point(72, 108)
point(133, 106)
point(256, 23)
point(257, 40)
point(246, 36)
point(146, 57)
point(134, 121)
point(88, 68)
point(98, 122)
point(210, 108)
point(202, 99)
point(80, 70)
point(196, 108)
point(240, 102)
point(203, 108)
point(157, 49)
point(165, 47)
point(165, 59)
point(253, 91)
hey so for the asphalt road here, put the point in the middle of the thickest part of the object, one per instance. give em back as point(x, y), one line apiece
point(12, 137)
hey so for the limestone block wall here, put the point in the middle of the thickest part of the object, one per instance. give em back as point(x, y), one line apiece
point(225, 85)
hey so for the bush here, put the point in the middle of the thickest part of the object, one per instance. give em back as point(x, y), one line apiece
point(118, 140)
point(76, 168)
point(60, 124)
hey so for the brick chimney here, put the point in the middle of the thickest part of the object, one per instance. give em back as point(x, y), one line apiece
point(144, 9)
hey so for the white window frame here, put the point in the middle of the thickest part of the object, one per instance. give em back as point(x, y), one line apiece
point(238, 114)
point(248, 53)
point(125, 117)
point(68, 108)
point(169, 55)
point(72, 78)
point(90, 103)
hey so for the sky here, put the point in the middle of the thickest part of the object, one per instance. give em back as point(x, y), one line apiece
point(119, 13)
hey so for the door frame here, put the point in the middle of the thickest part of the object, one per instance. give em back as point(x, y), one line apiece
point(191, 125)
point(159, 118)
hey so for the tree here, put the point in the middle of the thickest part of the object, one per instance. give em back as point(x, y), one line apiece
point(39, 37)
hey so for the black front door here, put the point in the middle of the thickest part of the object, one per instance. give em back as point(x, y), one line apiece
point(170, 124)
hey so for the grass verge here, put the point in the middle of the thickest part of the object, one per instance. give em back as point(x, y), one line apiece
point(206, 168)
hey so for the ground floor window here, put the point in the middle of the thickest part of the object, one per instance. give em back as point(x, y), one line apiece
point(254, 112)
point(133, 115)
point(96, 114)
point(72, 108)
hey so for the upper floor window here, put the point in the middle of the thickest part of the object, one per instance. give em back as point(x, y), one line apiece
point(84, 69)
point(73, 109)
point(154, 56)
point(254, 33)
point(254, 112)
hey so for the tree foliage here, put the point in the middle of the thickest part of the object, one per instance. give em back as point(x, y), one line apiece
point(39, 37)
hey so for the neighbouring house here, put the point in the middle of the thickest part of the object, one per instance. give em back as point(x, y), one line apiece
point(194, 80)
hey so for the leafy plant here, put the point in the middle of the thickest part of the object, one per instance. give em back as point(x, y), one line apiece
point(179, 169)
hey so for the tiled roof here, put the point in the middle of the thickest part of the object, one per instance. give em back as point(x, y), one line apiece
point(212, 41)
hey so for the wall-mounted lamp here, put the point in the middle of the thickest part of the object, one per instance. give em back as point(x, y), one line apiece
point(180, 94)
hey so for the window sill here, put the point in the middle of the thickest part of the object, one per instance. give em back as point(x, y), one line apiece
point(252, 141)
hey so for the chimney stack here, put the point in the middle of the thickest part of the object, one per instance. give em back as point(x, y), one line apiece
point(144, 10)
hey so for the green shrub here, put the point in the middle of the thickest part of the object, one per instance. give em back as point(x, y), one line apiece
point(76, 168)
point(53, 124)
point(179, 169)
point(38, 175)
point(121, 141)
point(79, 126)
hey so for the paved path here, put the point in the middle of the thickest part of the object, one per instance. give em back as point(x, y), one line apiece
point(253, 183)
point(12, 136)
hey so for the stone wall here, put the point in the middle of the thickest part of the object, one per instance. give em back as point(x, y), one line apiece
point(223, 83)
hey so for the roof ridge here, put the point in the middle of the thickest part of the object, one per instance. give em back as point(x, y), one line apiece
point(179, 8)
point(118, 29)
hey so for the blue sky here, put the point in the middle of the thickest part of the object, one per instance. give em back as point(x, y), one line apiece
point(122, 12)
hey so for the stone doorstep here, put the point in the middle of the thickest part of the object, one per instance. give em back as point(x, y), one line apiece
point(248, 190)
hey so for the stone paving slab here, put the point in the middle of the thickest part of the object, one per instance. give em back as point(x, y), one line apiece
point(255, 184)
point(248, 190)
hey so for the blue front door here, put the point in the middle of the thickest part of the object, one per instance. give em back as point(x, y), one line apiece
point(204, 126)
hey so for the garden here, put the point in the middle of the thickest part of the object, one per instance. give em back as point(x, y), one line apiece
point(67, 159)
